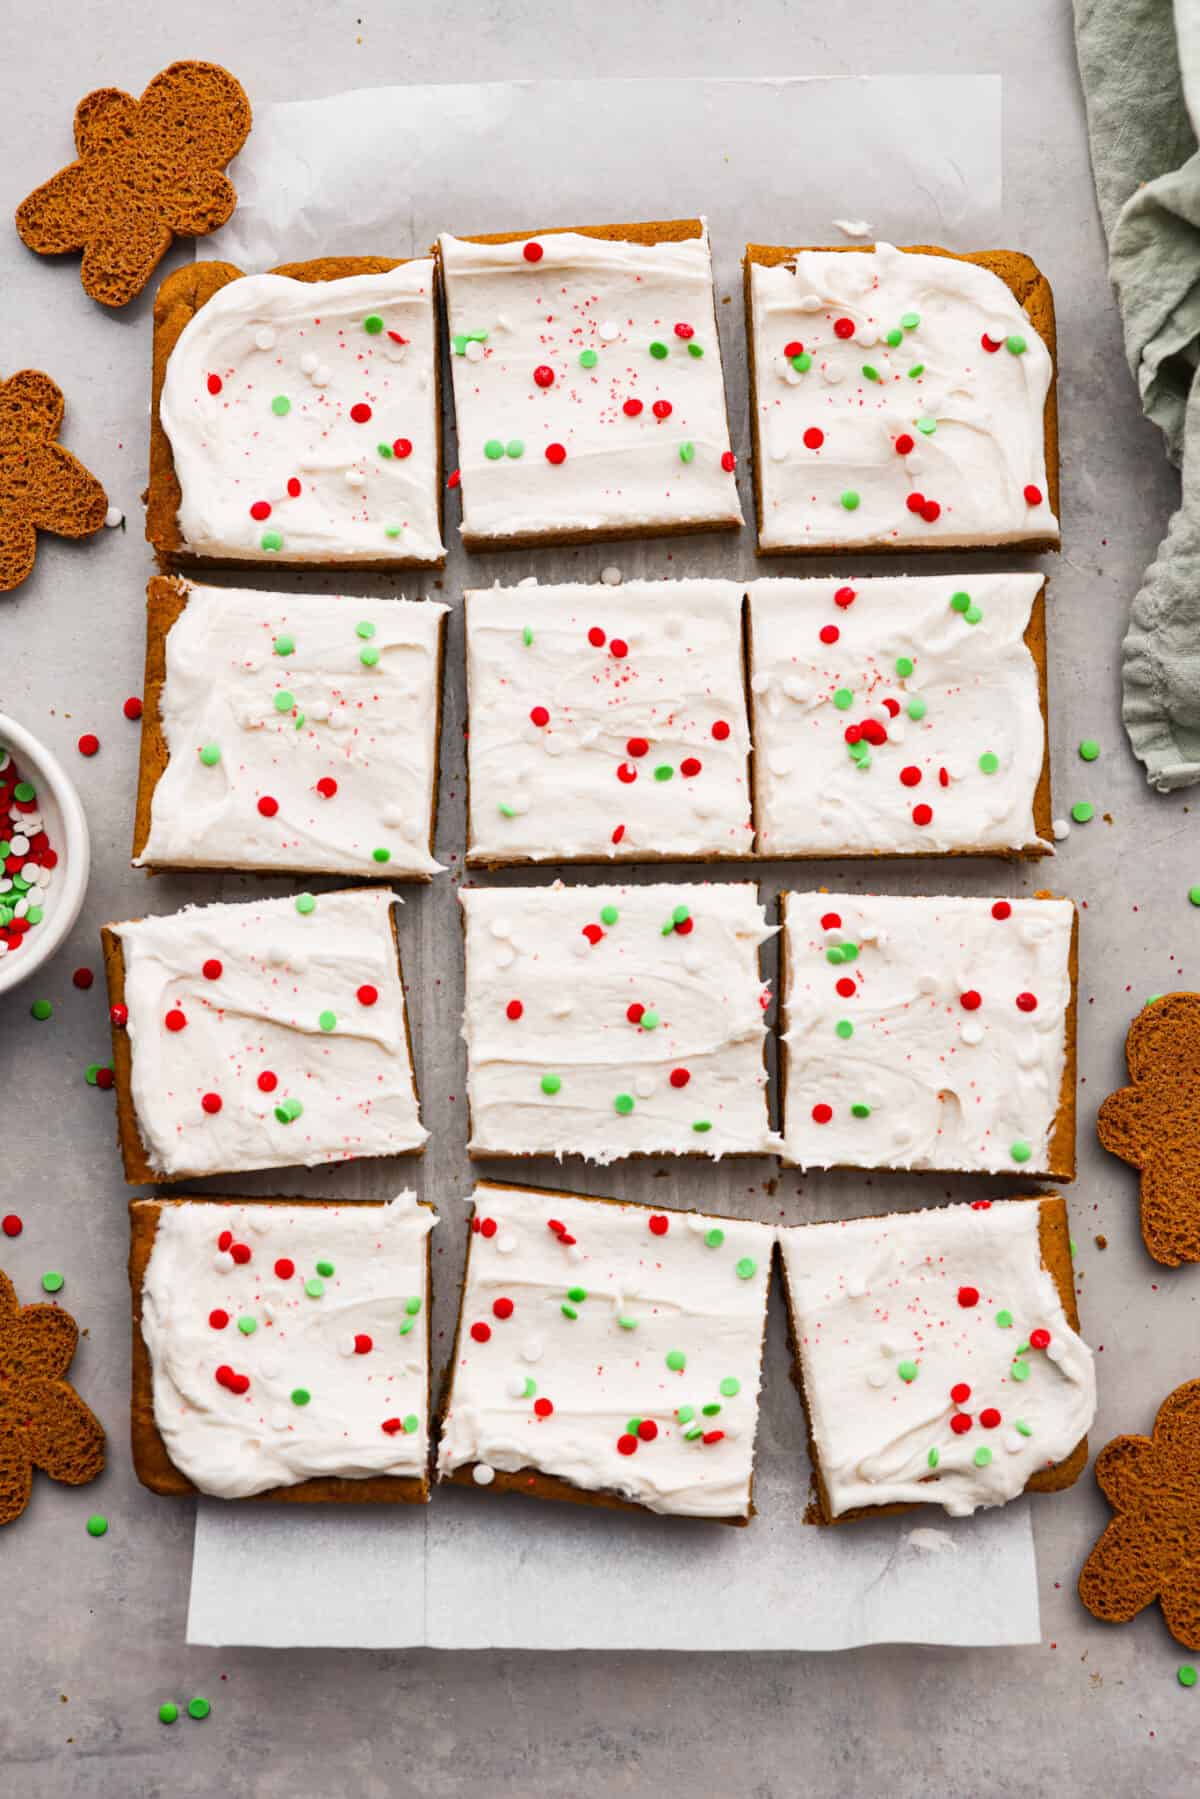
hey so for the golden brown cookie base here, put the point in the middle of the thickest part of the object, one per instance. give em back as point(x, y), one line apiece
point(1031, 290)
point(1055, 1240)
point(152, 1463)
point(166, 601)
point(177, 302)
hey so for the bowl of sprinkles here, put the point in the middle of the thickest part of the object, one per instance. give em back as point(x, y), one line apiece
point(44, 854)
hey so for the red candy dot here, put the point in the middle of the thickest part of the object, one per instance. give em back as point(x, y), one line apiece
point(968, 1296)
point(11, 1225)
point(366, 995)
point(212, 970)
point(105, 1079)
point(175, 1021)
point(626, 772)
point(626, 1443)
point(360, 412)
point(214, 384)
point(685, 331)
point(268, 806)
point(686, 926)
point(1027, 1002)
point(402, 447)
point(989, 1417)
point(991, 344)
point(260, 509)
point(267, 1082)
point(514, 1010)
point(829, 633)
point(931, 512)
point(132, 707)
point(647, 1430)
point(618, 833)
point(363, 1344)
point(543, 1408)
point(1001, 909)
point(596, 637)
point(1040, 1338)
point(391, 1425)
point(795, 348)
point(690, 766)
point(225, 1241)
point(728, 461)
point(555, 453)
point(843, 327)
point(593, 933)
point(294, 488)
point(970, 1001)
point(910, 776)
point(960, 1393)
point(874, 731)
point(240, 1253)
point(813, 438)
point(118, 1016)
point(822, 1114)
point(631, 408)
point(532, 251)
point(211, 1103)
point(539, 715)
point(327, 787)
point(503, 1308)
point(1033, 495)
point(845, 596)
point(619, 647)
point(960, 1423)
point(679, 1077)
point(846, 987)
point(487, 1227)
point(831, 921)
point(88, 744)
point(480, 1332)
point(662, 409)
point(720, 730)
point(659, 1226)
point(218, 1318)
point(83, 977)
point(922, 815)
point(634, 1012)
point(904, 444)
point(915, 501)
point(285, 1268)
point(943, 777)
point(543, 374)
point(712, 1436)
point(636, 746)
point(454, 478)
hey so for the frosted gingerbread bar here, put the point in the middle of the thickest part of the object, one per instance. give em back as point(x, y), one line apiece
point(608, 1354)
point(295, 416)
point(261, 1035)
point(901, 399)
point(616, 1021)
point(608, 724)
point(588, 392)
point(938, 1356)
point(289, 733)
point(932, 1033)
point(281, 1348)
point(900, 716)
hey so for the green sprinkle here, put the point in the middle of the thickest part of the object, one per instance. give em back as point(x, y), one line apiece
point(1194, 895)
point(663, 772)
point(52, 1282)
point(849, 952)
point(989, 762)
point(680, 915)
point(687, 451)
point(870, 372)
point(745, 1268)
point(412, 1424)
point(649, 1021)
point(1020, 1370)
point(685, 1413)
point(715, 1237)
point(515, 447)
point(288, 1110)
point(328, 1021)
point(271, 540)
point(505, 810)
point(25, 791)
point(493, 449)
point(477, 337)
point(676, 1361)
point(973, 614)
point(916, 708)
point(305, 903)
point(551, 1083)
point(695, 349)
point(284, 701)
point(168, 1712)
point(300, 1395)
point(623, 1104)
point(1083, 812)
point(588, 359)
point(730, 1385)
point(313, 1287)
point(284, 644)
point(658, 351)
point(894, 337)
point(42, 1010)
point(850, 500)
point(932, 1459)
point(247, 1326)
point(198, 1709)
point(385, 450)
point(907, 1371)
point(1185, 1674)
point(325, 1268)
point(373, 324)
point(527, 635)
point(702, 1125)
point(1089, 749)
point(381, 855)
point(392, 530)
point(692, 1432)
point(916, 371)
point(1015, 344)
point(835, 954)
point(1004, 1319)
point(1022, 1429)
point(210, 754)
point(368, 656)
point(844, 1028)
point(959, 602)
point(710, 1410)
point(568, 1311)
point(802, 363)
point(97, 1525)
point(910, 320)
point(631, 1425)
point(626, 1323)
point(904, 667)
point(609, 915)
point(859, 1110)
point(281, 406)
point(93, 1069)
point(926, 426)
point(413, 1305)
point(843, 699)
point(459, 341)
point(983, 1456)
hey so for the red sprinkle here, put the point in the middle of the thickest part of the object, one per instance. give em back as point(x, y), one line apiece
point(618, 647)
point(480, 1332)
point(795, 348)
point(211, 1102)
point(843, 327)
point(285, 1268)
point(626, 1443)
point(360, 412)
point(968, 1296)
point(596, 637)
point(728, 461)
point(720, 730)
point(503, 1308)
point(1033, 495)
point(105, 1079)
point(214, 384)
point(662, 409)
point(1040, 1338)
point(685, 331)
point(391, 1425)
point(829, 633)
point(366, 995)
point(960, 1393)
point(175, 1021)
point(922, 815)
point(593, 933)
point(831, 921)
point(636, 746)
point(118, 1016)
point(631, 408)
point(260, 509)
point(904, 444)
point(543, 1407)
point(991, 344)
point(915, 501)
point(294, 488)
point(712, 1436)
point(846, 987)
point(690, 766)
point(83, 977)
point(960, 1423)
point(679, 1077)
point(555, 453)
point(88, 744)
point(910, 776)
point(618, 833)
point(813, 438)
point(635, 1012)
point(218, 1318)
point(240, 1253)
point(543, 374)
point(1001, 909)
point(845, 596)
point(626, 772)
point(514, 1010)
point(487, 1227)
point(267, 1082)
point(225, 1241)
point(402, 447)
point(659, 1225)
point(931, 512)
point(212, 970)
point(132, 707)
point(532, 251)
point(647, 1430)
point(1027, 1002)
point(874, 731)
point(11, 1225)
point(268, 806)
point(454, 478)
point(989, 1417)
point(970, 1001)
point(539, 715)
point(822, 1114)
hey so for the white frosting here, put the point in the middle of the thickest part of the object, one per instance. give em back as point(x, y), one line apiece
point(987, 408)
point(871, 1297)
point(600, 298)
point(286, 1341)
point(370, 727)
point(270, 340)
point(280, 971)
point(973, 687)
point(532, 947)
point(948, 1086)
point(646, 709)
point(675, 1290)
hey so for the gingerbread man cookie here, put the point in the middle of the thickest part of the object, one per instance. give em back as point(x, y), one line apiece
point(1149, 1551)
point(42, 486)
point(43, 1422)
point(148, 171)
point(1155, 1124)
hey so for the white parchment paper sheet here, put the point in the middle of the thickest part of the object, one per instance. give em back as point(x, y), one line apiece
point(774, 161)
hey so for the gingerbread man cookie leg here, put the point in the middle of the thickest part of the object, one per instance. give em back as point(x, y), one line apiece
point(42, 486)
point(1155, 1124)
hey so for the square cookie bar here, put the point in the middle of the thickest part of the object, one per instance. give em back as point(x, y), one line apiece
point(289, 733)
point(281, 1348)
point(929, 1033)
point(261, 1036)
point(608, 1354)
point(938, 1356)
point(616, 1021)
point(900, 716)
point(295, 416)
point(587, 385)
point(608, 723)
point(901, 399)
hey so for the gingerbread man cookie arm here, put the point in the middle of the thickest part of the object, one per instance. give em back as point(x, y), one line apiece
point(1124, 1120)
point(1112, 1583)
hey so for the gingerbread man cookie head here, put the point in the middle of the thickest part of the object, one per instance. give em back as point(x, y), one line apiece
point(148, 171)
point(42, 486)
point(43, 1422)
point(1148, 1551)
point(1155, 1124)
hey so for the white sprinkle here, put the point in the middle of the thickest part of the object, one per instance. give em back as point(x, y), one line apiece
point(269, 1367)
point(506, 955)
point(532, 1349)
point(832, 375)
point(223, 1262)
point(345, 1346)
point(673, 625)
point(320, 376)
point(811, 303)
point(1013, 1441)
point(609, 329)
point(877, 1378)
point(561, 1008)
point(779, 453)
point(505, 1243)
point(18, 843)
point(114, 517)
point(1061, 829)
point(760, 682)
point(308, 363)
point(264, 338)
point(853, 228)
point(693, 960)
point(610, 576)
point(474, 351)
point(355, 477)
point(483, 1474)
point(796, 689)
point(865, 336)
point(971, 1031)
point(779, 764)
point(318, 711)
point(279, 1417)
point(580, 946)
point(644, 1086)
point(926, 983)
point(516, 1386)
point(856, 1286)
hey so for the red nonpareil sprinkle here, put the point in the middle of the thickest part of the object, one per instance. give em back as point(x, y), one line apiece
point(720, 730)
point(543, 1408)
point(728, 461)
point(260, 509)
point(618, 647)
point(846, 988)
point(626, 772)
point(922, 815)
point(214, 384)
point(910, 776)
point(132, 708)
point(285, 1268)
point(981, 1205)
point(543, 374)
point(943, 777)
point(593, 933)
point(241, 1254)
point(211, 1103)
point(1033, 495)
point(83, 977)
point(662, 409)
point(635, 1012)
point(294, 488)
point(795, 348)
point(11, 1225)
point(360, 412)
point(712, 1436)
point(843, 327)
point(481, 1332)
point(539, 715)
point(514, 1010)
point(487, 1227)
point(396, 337)
point(904, 444)
point(556, 1225)
point(685, 331)
point(685, 927)
point(813, 438)
point(970, 1001)
point(690, 766)
point(915, 501)
point(118, 1016)
point(225, 1242)
point(402, 447)
point(931, 512)
point(1002, 909)
point(88, 744)
point(647, 1430)
point(989, 1417)
point(267, 1082)
point(968, 1296)
point(658, 1224)
point(391, 1425)
point(556, 453)
point(366, 995)
point(1040, 1338)
point(533, 251)
point(618, 833)
point(212, 970)
point(327, 787)
point(845, 596)
point(831, 921)
point(175, 1020)
point(626, 1443)
point(991, 344)
point(636, 746)
point(596, 637)
point(454, 478)
point(822, 1113)
point(503, 1308)
point(829, 633)
point(631, 408)
point(679, 1077)
point(268, 806)
point(960, 1423)
point(218, 1318)
point(1027, 1002)
point(960, 1392)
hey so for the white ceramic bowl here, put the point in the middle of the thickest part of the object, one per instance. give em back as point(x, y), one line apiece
point(66, 827)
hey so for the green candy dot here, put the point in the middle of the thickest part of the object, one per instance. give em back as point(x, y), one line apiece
point(893, 338)
point(983, 1456)
point(932, 1459)
point(680, 915)
point(42, 1010)
point(859, 1110)
point(328, 1021)
point(623, 1104)
point(631, 1425)
point(843, 699)
point(649, 1021)
point(1022, 1429)
point(284, 644)
point(715, 1237)
point(493, 449)
point(1020, 1151)
point(746, 1267)
point(1185, 1674)
point(959, 602)
point(25, 791)
point(288, 1110)
point(97, 1525)
point(325, 1268)
point(1083, 812)
point(916, 708)
point(926, 426)
point(1089, 749)
point(626, 1324)
point(711, 1409)
point(802, 363)
point(364, 628)
point(844, 1028)
point(910, 320)
point(1004, 1319)
point(210, 754)
point(676, 1360)
point(198, 1709)
point(973, 614)
point(368, 656)
point(515, 448)
point(870, 372)
point(93, 1069)
point(373, 324)
point(588, 359)
point(412, 1424)
point(459, 340)
point(168, 1712)
point(551, 1083)
point(989, 762)
point(609, 915)
point(702, 1125)
point(1194, 895)
point(730, 1385)
point(385, 450)
point(313, 1287)
point(904, 667)
point(916, 371)
point(695, 349)
point(381, 855)
point(413, 1305)
point(1015, 344)
point(281, 406)
point(392, 530)
point(527, 635)
point(300, 1395)
point(687, 451)
point(247, 1326)
point(685, 1413)
point(305, 903)
point(907, 1371)
point(284, 701)
point(663, 772)
point(835, 954)
point(849, 952)
point(52, 1282)
point(568, 1311)
point(1020, 1370)
point(658, 351)
point(850, 500)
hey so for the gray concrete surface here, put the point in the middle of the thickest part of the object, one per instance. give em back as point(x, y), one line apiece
point(91, 1632)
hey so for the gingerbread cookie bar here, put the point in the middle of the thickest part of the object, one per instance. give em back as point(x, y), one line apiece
point(900, 716)
point(587, 385)
point(938, 1356)
point(281, 1348)
point(607, 723)
point(608, 1354)
point(261, 1035)
point(295, 417)
point(616, 1021)
point(289, 733)
point(901, 399)
point(931, 1033)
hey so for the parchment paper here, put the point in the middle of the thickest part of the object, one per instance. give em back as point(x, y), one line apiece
point(384, 171)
